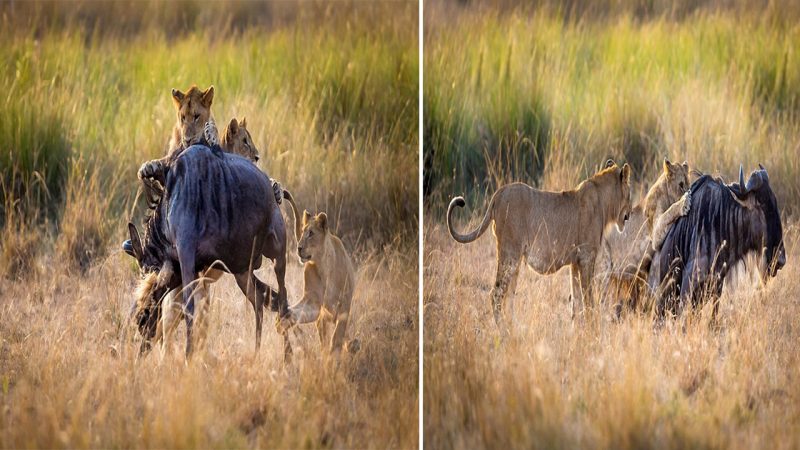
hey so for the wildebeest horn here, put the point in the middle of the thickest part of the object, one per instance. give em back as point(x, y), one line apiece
point(761, 167)
point(741, 179)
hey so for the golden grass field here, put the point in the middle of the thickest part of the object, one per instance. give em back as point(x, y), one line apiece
point(555, 383)
point(330, 94)
point(544, 92)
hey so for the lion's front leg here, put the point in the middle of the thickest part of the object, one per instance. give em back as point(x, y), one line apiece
point(665, 220)
point(152, 175)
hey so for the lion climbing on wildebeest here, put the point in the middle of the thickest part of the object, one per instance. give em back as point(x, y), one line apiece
point(551, 230)
point(666, 200)
point(726, 223)
point(217, 208)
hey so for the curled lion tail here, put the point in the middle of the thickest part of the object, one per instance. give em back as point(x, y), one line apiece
point(298, 224)
point(474, 234)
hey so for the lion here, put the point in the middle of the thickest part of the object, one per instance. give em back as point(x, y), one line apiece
point(551, 230)
point(329, 283)
point(650, 220)
point(193, 114)
point(236, 139)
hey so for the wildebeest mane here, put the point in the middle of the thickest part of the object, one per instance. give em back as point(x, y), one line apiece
point(715, 217)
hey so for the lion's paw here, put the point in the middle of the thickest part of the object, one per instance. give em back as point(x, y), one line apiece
point(687, 203)
point(151, 169)
point(277, 189)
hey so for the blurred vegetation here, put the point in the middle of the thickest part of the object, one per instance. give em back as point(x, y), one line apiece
point(329, 90)
point(544, 92)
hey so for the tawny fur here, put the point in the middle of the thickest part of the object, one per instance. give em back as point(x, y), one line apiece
point(551, 230)
point(651, 218)
point(329, 283)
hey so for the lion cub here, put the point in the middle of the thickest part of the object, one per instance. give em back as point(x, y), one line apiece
point(193, 111)
point(329, 282)
point(647, 227)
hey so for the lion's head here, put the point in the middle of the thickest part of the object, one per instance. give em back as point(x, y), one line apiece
point(237, 139)
point(193, 111)
point(668, 188)
point(315, 232)
point(622, 182)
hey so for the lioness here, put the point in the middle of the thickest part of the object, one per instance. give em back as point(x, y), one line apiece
point(329, 282)
point(648, 224)
point(551, 229)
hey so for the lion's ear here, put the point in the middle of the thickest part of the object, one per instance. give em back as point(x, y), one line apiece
point(306, 217)
point(233, 126)
point(625, 174)
point(177, 97)
point(322, 221)
point(244, 122)
point(667, 165)
point(208, 97)
point(610, 163)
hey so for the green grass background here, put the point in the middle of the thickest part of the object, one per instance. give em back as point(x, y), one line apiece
point(546, 94)
point(329, 91)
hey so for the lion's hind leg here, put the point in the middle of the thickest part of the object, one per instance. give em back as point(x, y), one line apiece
point(506, 280)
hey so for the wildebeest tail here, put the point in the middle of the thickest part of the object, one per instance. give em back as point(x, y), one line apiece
point(298, 224)
point(474, 234)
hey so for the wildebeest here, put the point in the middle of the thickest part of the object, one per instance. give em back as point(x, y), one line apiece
point(724, 225)
point(217, 208)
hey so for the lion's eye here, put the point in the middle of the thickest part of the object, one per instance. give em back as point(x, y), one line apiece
point(310, 233)
point(183, 118)
point(196, 116)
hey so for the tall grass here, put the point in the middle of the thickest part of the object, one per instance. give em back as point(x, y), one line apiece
point(330, 95)
point(518, 94)
point(326, 105)
point(599, 382)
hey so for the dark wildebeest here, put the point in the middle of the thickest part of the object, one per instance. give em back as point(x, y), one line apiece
point(725, 224)
point(217, 208)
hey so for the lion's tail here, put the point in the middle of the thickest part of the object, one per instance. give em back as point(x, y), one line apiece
point(298, 224)
point(474, 234)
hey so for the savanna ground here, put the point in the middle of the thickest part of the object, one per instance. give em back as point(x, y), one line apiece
point(545, 95)
point(330, 95)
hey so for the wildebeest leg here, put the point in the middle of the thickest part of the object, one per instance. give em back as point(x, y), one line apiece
point(186, 257)
point(668, 290)
point(255, 291)
point(507, 271)
point(279, 303)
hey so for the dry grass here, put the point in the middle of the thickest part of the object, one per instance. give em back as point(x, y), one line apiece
point(70, 375)
point(602, 384)
point(330, 94)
